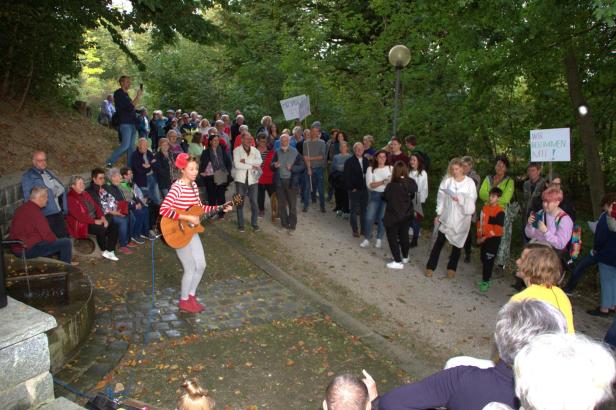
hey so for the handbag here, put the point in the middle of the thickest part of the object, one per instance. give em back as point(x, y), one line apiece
point(221, 176)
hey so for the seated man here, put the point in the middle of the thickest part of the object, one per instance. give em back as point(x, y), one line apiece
point(469, 387)
point(30, 226)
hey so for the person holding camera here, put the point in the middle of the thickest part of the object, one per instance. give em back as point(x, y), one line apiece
point(126, 120)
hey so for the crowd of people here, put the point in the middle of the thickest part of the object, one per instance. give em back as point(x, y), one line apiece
point(181, 159)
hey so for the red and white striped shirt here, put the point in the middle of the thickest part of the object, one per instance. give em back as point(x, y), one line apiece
point(181, 197)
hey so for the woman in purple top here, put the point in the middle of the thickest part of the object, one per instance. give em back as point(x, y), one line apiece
point(469, 387)
point(551, 225)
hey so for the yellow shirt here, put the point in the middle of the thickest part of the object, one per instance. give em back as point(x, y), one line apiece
point(554, 296)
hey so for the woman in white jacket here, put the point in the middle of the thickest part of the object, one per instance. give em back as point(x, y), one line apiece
point(455, 206)
point(419, 174)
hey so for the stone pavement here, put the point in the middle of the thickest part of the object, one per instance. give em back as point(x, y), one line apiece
point(133, 319)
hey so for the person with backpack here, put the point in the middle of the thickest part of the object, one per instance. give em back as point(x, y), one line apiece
point(551, 225)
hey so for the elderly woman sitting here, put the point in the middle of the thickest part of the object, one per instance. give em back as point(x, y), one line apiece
point(469, 387)
point(85, 216)
point(121, 215)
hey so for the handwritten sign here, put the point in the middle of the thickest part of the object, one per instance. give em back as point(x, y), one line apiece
point(550, 145)
point(295, 108)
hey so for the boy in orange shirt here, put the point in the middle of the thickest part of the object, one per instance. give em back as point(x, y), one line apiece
point(489, 233)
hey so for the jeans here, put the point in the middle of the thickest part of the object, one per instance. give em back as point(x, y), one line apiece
point(375, 213)
point(584, 263)
point(315, 186)
point(416, 225)
point(489, 248)
point(610, 336)
point(63, 246)
point(249, 191)
point(359, 203)
point(139, 222)
point(436, 252)
point(607, 276)
point(398, 239)
point(152, 191)
point(128, 132)
point(57, 224)
point(287, 204)
point(122, 223)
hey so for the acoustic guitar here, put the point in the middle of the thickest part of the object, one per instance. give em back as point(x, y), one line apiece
point(177, 233)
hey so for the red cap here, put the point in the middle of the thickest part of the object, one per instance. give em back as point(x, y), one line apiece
point(181, 160)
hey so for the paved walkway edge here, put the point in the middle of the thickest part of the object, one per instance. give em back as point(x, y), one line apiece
point(408, 361)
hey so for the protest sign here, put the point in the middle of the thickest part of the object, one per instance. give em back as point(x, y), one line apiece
point(296, 108)
point(550, 145)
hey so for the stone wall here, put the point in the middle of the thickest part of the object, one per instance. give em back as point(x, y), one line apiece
point(11, 198)
point(25, 381)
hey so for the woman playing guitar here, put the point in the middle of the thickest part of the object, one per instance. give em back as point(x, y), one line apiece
point(182, 195)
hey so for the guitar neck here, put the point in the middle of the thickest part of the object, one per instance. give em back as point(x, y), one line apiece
point(213, 212)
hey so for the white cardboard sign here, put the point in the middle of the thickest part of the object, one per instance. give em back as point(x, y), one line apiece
point(550, 145)
point(296, 107)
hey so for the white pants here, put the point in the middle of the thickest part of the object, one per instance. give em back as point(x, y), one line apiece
point(193, 261)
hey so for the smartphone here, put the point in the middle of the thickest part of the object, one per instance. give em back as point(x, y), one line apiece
point(536, 221)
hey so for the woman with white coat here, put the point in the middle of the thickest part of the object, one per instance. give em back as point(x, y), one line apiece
point(455, 206)
point(419, 174)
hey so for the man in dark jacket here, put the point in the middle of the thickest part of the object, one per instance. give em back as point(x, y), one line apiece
point(355, 181)
point(125, 107)
point(288, 167)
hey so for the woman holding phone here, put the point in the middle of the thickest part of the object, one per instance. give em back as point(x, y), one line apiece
point(551, 225)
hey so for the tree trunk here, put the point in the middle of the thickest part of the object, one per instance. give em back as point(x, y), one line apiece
point(9, 64)
point(28, 83)
point(596, 180)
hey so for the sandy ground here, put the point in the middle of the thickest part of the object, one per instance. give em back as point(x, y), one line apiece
point(438, 316)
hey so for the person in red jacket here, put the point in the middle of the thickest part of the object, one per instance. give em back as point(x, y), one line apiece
point(266, 181)
point(85, 217)
point(489, 234)
point(30, 226)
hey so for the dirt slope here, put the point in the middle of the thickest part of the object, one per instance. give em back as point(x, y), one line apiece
point(72, 142)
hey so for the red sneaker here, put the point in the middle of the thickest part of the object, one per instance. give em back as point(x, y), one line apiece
point(193, 300)
point(132, 244)
point(125, 250)
point(188, 306)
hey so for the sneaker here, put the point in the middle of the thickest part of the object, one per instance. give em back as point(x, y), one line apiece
point(429, 273)
point(256, 228)
point(405, 260)
point(261, 214)
point(241, 229)
point(137, 240)
point(451, 273)
point(193, 299)
point(188, 306)
point(395, 265)
point(338, 213)
point(290, 232)
point(305, 209)
point(132, 244)
point(365, 243)
point(484, 286)
point(110, 255)
point(379, 244)
point(125, 250)
point(598, 312)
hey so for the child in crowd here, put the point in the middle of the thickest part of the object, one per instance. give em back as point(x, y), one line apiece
point(489, 234)
point(194, 397)
point(540, 268)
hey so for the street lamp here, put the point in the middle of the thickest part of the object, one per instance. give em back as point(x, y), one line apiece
point(399, 57)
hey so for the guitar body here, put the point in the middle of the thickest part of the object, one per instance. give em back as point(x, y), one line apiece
point(178, 233)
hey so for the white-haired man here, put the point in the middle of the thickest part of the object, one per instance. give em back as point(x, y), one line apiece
point(30, 226)
point(564, 372)
point(247, 170)
point(288, 167)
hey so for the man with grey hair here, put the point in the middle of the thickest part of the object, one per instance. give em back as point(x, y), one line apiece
point(564, 372)
point(30, 226)
point(288, 167)
point(56, 206)
point(346, 392)
point(235, 127)
point(315, 152)
point(469, 387)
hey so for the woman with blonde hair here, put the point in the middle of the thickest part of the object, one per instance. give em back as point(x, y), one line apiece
point(195, 397)
point(540, 268)
point(455, 206)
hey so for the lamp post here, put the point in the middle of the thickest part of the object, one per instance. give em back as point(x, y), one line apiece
point(399, 57)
